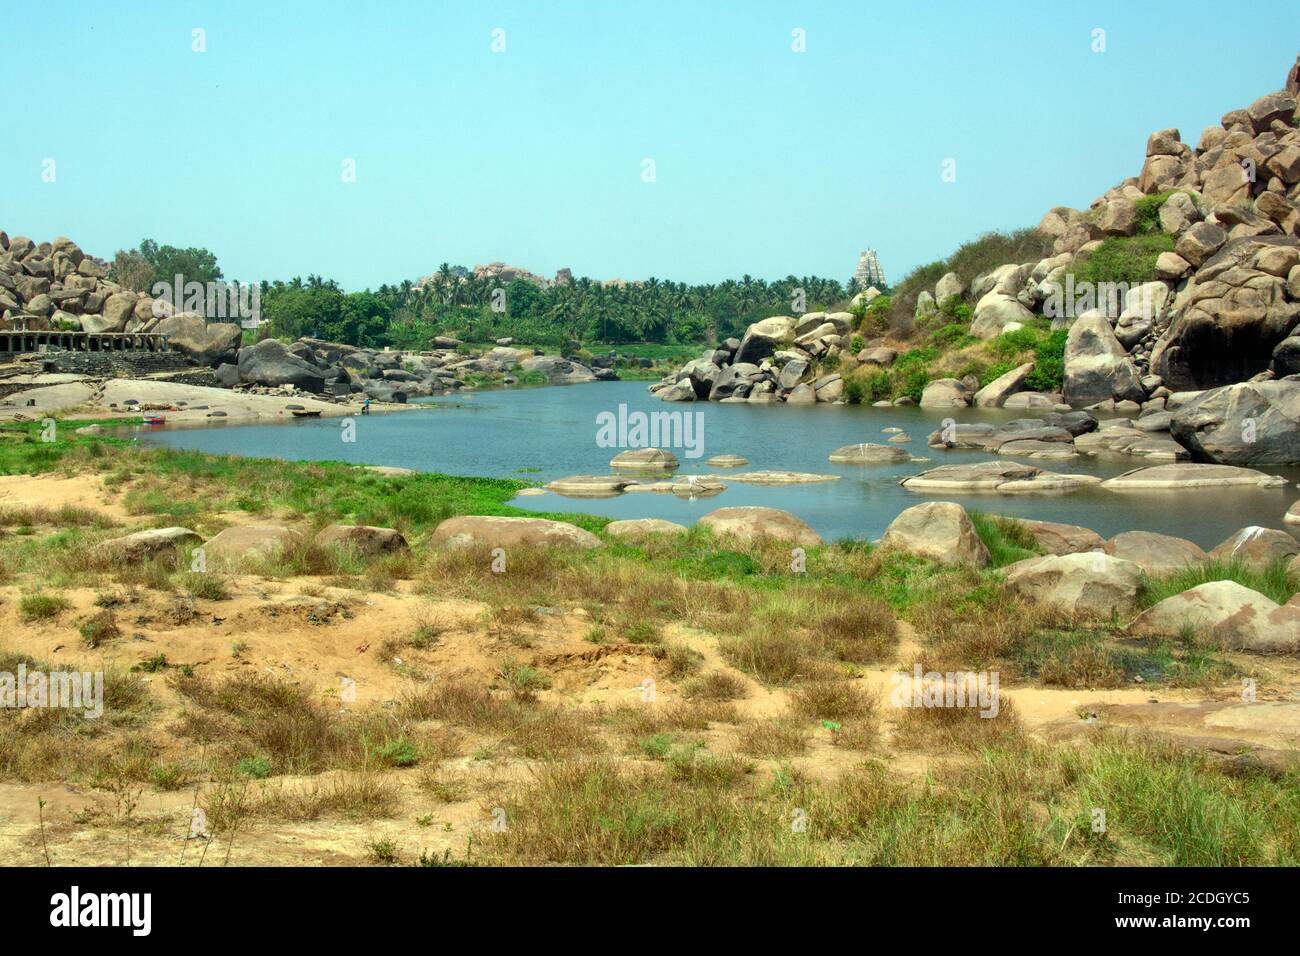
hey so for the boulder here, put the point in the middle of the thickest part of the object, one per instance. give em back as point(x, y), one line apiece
point(1097, 366)
point(590, 486)
point(558, 371)
point(1055, 538)
point(866, 453)
point(645, 459)
point(270, 363)
point(146, 544)
point(203, 343)
point(1090, 585)
point(1224, 612)
point(763, 338)
point(948, 286)
point(643, 527)
point(750, 524)
point(995, 311)
point(727, 461)
point(996, 392)
point(1250, 423)
point(1155, 553)
point(939, 530)
point(1256, 545)
point(363, 539)
point(1201, 240)
point(494, 532)
point(1190, 475)
point(944, 393)
point(249, 541)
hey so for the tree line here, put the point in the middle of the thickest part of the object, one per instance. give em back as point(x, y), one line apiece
point(455, 302)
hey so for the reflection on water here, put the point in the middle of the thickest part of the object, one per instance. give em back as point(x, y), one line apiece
point(510, 433)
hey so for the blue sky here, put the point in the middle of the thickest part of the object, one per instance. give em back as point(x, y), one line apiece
point(767, 161)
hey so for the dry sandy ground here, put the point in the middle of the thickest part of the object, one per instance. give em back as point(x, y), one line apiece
point(324, 637)
point(75, 397)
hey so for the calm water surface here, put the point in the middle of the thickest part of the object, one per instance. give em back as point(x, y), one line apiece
point(497, 433)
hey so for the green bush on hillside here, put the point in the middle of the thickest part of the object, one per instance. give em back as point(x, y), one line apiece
point(1049, 364)
point(1123, 259)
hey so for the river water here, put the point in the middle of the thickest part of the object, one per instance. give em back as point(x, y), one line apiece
point(555, 430)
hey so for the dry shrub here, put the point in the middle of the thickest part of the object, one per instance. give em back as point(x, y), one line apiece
point(716, 686)
point(957, 728)
point(780, 737)
point(834, 700)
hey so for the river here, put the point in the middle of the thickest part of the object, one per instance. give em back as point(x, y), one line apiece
point(554, 430)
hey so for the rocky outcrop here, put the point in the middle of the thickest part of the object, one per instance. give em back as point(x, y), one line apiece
point(146, 544)
point(271, 364)
point(1249, 423)
point(775, 361)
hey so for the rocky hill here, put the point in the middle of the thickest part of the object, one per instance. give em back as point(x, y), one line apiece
point(55, 286)
point(1175, 294)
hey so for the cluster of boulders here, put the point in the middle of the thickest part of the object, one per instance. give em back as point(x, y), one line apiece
point(52, 286)
point(773, 362)
point(1219, 325)
point(329, 368)
point(1087, 578)
point(55, 286)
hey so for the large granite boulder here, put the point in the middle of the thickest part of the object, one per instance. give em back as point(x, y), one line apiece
point(1256, 545)
point(494, 532)
point(250, 541)
point(270, 363)
point(1155, 553)
point(634, 528)
point(762, 339)
point(363, 539)
point(201, 342)
point(996, 392)
point(1250, 423)
point(748, 525)
point(1224, 612)
point(146, 544)
point(1090, 585)
point(939, 530)
point(1056, 538)
point(1097, 366)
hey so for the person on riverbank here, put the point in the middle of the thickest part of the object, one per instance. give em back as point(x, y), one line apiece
point(365, 407)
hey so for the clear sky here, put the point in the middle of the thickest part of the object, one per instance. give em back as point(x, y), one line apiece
point(766, 161)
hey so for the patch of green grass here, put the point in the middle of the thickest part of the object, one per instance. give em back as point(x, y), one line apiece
point(41, 606)
point(1007, 540)
point(1130, 259)
point(1271, 580)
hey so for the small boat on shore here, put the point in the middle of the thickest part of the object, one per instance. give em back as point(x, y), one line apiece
point(306, 413)
point(155, 420)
